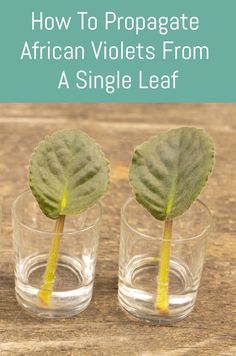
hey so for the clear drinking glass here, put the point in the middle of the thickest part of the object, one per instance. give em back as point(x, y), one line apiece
point(140, 244)
point(32, 239)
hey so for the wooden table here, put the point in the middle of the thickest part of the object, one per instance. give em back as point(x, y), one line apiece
point(103, 329)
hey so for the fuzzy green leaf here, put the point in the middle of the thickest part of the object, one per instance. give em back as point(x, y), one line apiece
point(68, 173)
point(169, 171)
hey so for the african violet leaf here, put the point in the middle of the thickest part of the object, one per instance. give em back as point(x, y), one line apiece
point(169, 170)
point(68, 173)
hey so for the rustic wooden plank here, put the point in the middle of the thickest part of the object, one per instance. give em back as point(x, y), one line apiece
point(103, 329)
point(161, 114)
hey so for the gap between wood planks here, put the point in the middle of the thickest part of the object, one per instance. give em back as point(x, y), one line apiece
point(120, 126)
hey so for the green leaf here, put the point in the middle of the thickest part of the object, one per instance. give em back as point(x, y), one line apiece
point(169, 170)
point(68, 173)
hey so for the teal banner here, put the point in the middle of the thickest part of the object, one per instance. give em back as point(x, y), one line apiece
point(117, 51)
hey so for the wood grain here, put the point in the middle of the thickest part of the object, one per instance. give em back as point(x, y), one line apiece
point(103, 329)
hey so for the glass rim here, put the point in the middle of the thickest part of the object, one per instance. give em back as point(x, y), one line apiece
point(198, 236)
point(91, 226)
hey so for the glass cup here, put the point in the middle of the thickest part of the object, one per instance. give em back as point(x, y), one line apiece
point(140, 248)
point(71, 288)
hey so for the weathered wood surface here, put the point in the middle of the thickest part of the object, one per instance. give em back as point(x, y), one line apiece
point(103, 329)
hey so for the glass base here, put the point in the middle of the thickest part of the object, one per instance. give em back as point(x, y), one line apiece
point(137, 293)
point(71, 294)
point(51, 313)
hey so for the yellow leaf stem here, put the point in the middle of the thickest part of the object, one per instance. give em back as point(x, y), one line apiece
point(45, 292)
point(162, 300)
